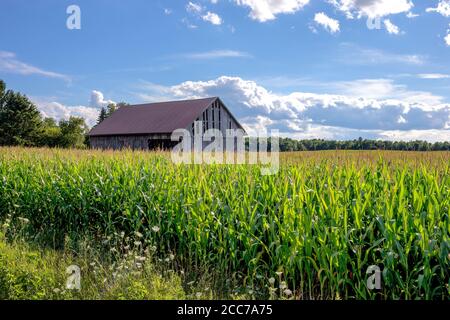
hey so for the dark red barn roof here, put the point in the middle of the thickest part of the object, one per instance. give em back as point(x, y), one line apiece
point(162, 117)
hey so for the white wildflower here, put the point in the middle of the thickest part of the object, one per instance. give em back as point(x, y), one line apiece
point(288, 292)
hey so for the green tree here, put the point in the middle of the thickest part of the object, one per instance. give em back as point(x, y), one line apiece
point(73, 133)
point(121, 104)
point(109, 110)
point(20, 120)
point(51, 133)
point(2, 88)
point(102, 116)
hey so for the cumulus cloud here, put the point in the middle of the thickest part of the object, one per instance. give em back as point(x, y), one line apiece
point(372, 108)
point(59, 111)
point(331, 25)
point(265, 10)
point(427, 135)
point(443, 8)
point(199, 11)
point(334, 116)
point(98, 100)
point(9, 63)
point(390, 27)
point(212, 18)
point(372, 8)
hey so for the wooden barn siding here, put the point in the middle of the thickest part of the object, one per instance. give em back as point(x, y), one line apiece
point(225, 118)
point(136, 142)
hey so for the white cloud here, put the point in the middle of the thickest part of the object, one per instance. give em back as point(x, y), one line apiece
point(59, 111)
point(331, 25)
point(447, 38)
point(353, 54)
point(372, 108)
point(167, 11)
point(194, 7)
point(265, 10)
point(411, 15)
point(384, 89)
point(433, 76)
point(427, 135)
point(10, 64)
point(390, 27)
point(199, 11)
point(372, 8)
point(393, 111)
point(214, 54)
point(213, 18)
point(97, 100)
point(443, 8)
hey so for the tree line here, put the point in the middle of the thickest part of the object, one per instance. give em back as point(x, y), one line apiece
point(21, 124)
point(287, 144)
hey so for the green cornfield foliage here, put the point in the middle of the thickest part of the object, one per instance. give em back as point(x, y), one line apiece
point(311, 231)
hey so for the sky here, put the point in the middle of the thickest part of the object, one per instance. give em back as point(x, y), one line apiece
point(332, 69)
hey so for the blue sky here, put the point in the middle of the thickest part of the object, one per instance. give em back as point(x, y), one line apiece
point(310, 68)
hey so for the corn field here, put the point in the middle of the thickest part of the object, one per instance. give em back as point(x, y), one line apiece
point(309, 232)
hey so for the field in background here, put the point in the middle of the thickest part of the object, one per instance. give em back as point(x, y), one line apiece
point(309, 232)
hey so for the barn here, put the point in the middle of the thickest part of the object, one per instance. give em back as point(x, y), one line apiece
point(149, 126)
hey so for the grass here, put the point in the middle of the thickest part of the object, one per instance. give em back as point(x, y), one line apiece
point(35, 273)
point(309, 232)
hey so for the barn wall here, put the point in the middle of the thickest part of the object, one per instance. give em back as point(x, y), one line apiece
point(136, 142)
